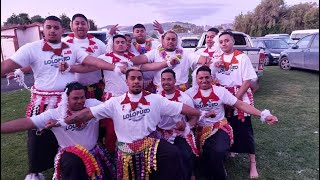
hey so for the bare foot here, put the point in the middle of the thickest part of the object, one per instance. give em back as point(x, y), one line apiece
point(232, 154)
point(253, 171)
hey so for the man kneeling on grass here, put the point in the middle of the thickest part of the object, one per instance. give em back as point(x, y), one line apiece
point(79, 157)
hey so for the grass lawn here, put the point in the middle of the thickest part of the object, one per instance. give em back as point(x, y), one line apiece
point(288, 150)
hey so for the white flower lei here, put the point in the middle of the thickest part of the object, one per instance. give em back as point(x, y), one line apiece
point(63, 107)
point(19, 78)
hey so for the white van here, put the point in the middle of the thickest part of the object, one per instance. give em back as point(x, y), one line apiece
point(298, 34)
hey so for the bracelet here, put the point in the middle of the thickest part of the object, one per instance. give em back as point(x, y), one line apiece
point(264, 114)
point(67, 70)
point(169, 63)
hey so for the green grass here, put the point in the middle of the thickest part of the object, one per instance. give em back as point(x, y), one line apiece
point(288, 150)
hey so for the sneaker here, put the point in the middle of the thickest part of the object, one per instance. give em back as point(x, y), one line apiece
point(35, 176)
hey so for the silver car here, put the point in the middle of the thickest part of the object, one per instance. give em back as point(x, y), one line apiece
point(304, 54)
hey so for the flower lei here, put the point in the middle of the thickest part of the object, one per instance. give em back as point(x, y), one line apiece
point(203, 133)
point(88, 159)
point(166, 57)
point(143, 151)
point(90, 48)
point(147, 47)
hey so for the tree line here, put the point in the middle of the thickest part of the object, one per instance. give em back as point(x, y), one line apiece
point(274, 16)
point(24, 19)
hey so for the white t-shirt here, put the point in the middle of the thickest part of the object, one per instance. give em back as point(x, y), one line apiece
point(181, 70)
point(85, 134)
point(115, 83)
point(224, 97)
point(135, 125)
point(44, 64)
point(98, 48)
point(238, 72)
point(169, 122)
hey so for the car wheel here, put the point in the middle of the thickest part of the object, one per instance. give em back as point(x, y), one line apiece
point(267, 61)
point(284, 63)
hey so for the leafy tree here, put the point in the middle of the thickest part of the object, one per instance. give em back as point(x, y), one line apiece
point(65, 22)
point(311, 19)
point(274, 16)
point(93, 26)
point(37, 18)
point(20, 19)
point(179, 29)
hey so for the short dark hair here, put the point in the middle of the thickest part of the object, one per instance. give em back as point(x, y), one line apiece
point(74, 86)
point(133, 69)
point(170, 31)
point(214, 30)
point(129, 35)
point(79, 15)
point(203, 68)
point(169, 71)
point(53, 18)
point(118, 36)
point(227, 32)
point(138, 26)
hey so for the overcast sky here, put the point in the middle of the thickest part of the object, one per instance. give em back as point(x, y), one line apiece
point(129, 12)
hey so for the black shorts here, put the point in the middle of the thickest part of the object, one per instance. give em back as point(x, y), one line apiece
point(243, 135)
point(41, 150)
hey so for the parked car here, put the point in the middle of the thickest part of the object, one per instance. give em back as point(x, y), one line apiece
point(298, 34)
point(272, 49)
point(285, 37)
point(304, 54)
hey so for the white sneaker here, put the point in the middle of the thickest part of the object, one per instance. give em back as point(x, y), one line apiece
point(34, 176)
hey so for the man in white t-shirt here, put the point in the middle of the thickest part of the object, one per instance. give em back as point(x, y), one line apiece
point(212, 51)
point(77, 142)
point(167, 51)
point(136, 115)
point(115, 84)
point(214, 135)
point(169, 126)
point(94, 47)
point(141, 45)
point(46, 58)
point(236, 74)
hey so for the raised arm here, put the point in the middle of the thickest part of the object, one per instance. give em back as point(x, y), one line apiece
point(159, 65)
point(8, 66)
point(81, 116)
point(17, 125)
point(270, 119)
point(80, 68)
point(98, 63)
point(141, 59)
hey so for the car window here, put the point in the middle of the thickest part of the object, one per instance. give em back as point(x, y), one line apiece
point(260, 44)
point(315, 43)
point(189, 43)
point(254, 43)
point(276, 44)
point(239, 39)
point(303, 43)
point(299, 36)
